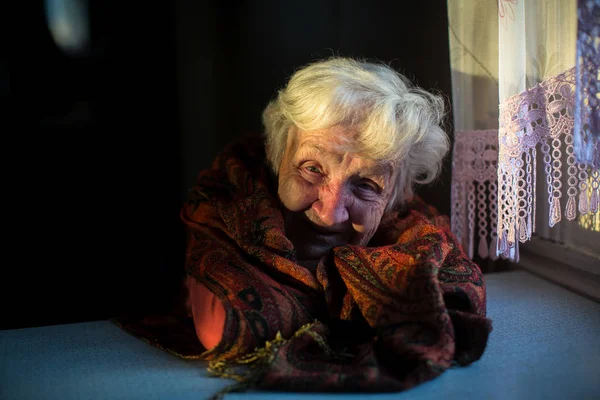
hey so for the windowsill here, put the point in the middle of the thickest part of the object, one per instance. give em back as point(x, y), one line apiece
point(562, 265)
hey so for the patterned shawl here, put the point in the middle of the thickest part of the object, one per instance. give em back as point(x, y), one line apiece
point(380, 318)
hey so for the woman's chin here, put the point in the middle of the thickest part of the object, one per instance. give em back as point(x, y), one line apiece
point(318, 249)
point(312, 253)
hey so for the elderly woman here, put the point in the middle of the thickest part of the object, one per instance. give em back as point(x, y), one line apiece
point(310, 238)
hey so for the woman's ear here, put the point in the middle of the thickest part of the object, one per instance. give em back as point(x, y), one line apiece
point(292, 134)
point(290, 146)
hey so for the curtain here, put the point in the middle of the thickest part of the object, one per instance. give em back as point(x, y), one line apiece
point(525, 96)
point(473, 33)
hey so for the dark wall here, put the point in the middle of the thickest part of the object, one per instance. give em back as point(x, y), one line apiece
point(95, 168)
point(106, 146)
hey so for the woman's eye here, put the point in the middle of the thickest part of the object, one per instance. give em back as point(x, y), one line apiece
point(313, 169)
point(368, 187)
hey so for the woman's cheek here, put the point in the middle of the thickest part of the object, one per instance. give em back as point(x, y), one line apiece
point(297, 194)
point(366, 223)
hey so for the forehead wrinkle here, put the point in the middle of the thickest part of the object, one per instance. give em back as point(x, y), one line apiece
point(368, 167)
point(307, 146)
point(316, 147)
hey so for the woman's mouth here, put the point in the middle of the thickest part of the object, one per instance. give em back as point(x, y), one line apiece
point(324, 230)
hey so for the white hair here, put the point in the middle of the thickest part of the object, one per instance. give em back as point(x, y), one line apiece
point(395, 121)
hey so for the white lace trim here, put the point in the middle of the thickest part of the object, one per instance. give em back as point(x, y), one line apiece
point(540, 120)
point(474, 191)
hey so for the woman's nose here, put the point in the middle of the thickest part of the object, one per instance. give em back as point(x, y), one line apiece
point(331, 206)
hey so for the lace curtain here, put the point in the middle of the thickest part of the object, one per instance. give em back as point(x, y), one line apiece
point(525, 96)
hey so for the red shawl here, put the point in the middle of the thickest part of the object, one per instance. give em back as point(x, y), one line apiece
point(380, 318)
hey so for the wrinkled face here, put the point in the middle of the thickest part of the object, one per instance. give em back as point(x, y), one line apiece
point(332, 195)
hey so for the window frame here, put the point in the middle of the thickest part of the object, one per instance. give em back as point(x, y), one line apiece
point(564, 265)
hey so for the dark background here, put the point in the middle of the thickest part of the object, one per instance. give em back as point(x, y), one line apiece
point(100, 149)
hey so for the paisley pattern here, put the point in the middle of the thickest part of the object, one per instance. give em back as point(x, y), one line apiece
point(377, 318)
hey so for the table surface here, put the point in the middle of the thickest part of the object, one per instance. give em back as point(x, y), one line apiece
point(545, 345)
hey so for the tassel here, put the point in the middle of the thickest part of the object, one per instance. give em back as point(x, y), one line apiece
point(501, 248)
point(471, 218)
point(554, 213)
point(516, 256)
point(255, 365)
point(534, 185)
point(570, 209)
point(583, 202)
point(511, 235)
point(522, 230)
point(594, 201)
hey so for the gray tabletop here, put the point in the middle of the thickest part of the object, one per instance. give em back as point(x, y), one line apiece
point(545, 345)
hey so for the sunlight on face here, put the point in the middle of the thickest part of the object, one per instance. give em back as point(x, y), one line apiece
point(332, 195)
